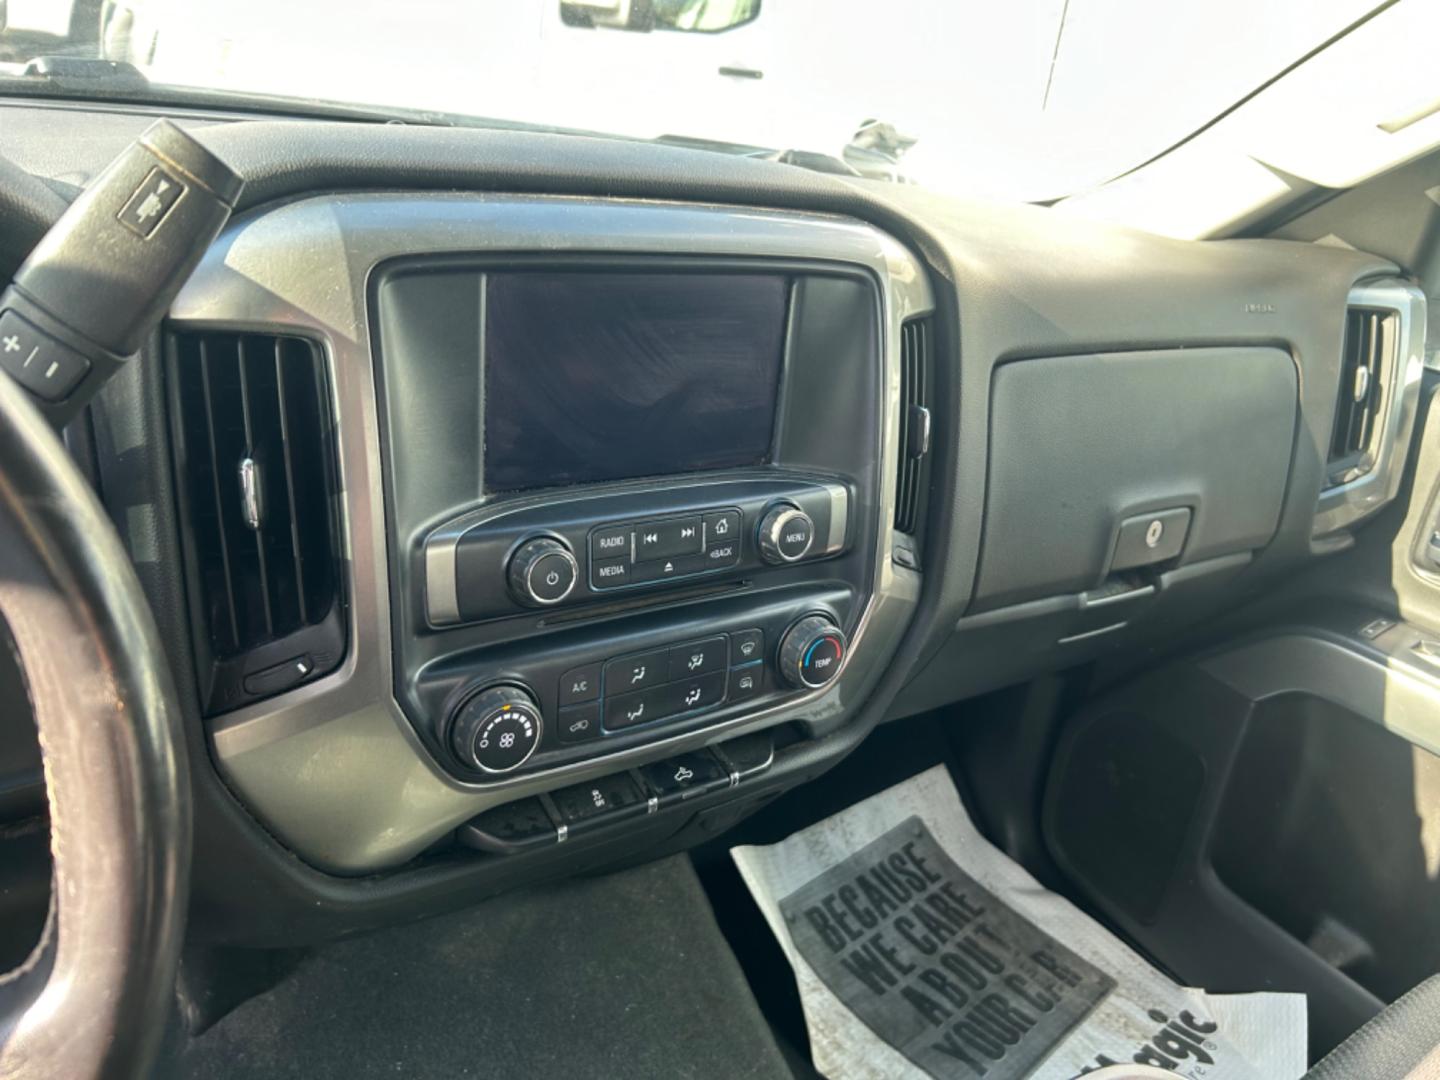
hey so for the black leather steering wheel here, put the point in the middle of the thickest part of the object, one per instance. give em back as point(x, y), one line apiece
point(93, 997)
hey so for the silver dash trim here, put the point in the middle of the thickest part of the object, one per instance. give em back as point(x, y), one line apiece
point(442, 596)
point(839, 517)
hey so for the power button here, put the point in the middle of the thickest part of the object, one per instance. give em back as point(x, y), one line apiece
point(551, 577)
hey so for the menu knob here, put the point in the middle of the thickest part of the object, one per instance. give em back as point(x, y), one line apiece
point(786, 534)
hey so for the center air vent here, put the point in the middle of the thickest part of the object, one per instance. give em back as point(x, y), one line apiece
point(914, 421)
point(1366, 369)
point(256, 480)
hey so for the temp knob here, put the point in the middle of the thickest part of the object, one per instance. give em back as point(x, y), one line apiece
point(496, 730)
point(786, 533)
point(542, 572)
point(811, 652)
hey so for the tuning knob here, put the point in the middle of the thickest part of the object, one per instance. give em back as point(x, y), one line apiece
point(542, 572)
point(811, 652)
point(497, 729)
point(786, 533)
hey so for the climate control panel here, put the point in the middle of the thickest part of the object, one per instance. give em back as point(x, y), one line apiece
point(542, 710)
point(666, 683)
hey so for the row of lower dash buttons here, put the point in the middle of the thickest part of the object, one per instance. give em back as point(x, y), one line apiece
point(660, 684)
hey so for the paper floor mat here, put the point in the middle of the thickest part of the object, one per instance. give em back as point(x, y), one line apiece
point(921, 950)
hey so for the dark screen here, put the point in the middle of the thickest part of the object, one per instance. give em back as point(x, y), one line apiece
point(593, 376)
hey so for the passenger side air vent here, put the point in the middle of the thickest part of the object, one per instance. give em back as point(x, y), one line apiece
point(914, 421)
point(1381, 360)
point(1366, 369)
point(256, 479)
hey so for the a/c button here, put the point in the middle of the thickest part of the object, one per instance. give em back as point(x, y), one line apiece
point(580, 684)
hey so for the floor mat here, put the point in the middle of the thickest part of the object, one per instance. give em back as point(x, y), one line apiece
point(623, 975)
point(921, 950)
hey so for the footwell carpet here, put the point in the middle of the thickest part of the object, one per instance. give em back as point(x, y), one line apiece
point(620, 976)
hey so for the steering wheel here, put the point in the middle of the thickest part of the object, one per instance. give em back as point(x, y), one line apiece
point(92, 998)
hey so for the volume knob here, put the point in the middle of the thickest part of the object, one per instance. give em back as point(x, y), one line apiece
point(542, 572)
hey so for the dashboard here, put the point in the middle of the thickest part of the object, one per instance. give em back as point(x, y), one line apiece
point(515, 503)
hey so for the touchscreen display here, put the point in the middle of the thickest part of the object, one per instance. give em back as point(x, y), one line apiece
point(605, 376)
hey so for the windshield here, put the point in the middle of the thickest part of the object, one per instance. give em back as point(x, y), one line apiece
point(1021, 99)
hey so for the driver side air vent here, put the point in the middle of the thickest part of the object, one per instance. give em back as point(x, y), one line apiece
point(914, 421)
point(1366, 366)
point(256, 486)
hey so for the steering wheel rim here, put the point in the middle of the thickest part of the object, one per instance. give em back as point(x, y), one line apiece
point(93, 997)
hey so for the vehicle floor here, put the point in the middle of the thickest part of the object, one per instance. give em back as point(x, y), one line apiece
point(621, 975)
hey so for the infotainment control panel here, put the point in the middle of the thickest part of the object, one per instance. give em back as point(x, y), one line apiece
point(578, 549)
point(637, 552)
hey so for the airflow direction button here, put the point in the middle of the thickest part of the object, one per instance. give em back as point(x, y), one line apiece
point(692, 695)
point(637, 672)
point(698, 657)
point(630, 710)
